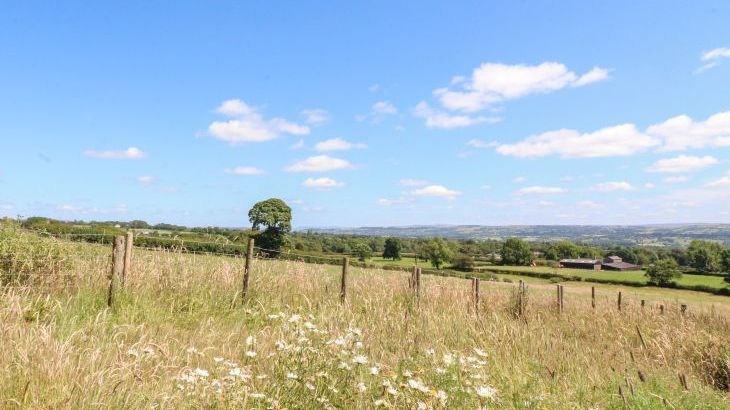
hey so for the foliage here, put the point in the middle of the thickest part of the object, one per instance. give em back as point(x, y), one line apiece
point(27, 258)
point(362, 250)
point(516, 252)
point(275, 216)
point(705, 256)
point(437, 252)
point(392, 248)
point(664, 272)
point(464, 263)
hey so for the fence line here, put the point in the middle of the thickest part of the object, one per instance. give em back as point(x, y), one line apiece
point(122, 258)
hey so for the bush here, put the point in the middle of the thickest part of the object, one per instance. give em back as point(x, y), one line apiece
point(25, 257)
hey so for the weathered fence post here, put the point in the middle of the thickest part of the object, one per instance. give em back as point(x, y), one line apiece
point(619, 301)
point(343, 283)
point(247, 267)
point(520, 298)
point(661, 309)
point(127, 256)
point(593, 297)
point(683, 309)
point(643, 302)
point(557, 299)
point(418, 282)
point(475, 289)
point(412, 280)
point(117, 266)
point(562, 298)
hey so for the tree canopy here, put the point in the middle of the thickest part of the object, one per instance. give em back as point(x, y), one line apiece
point(516, 252)
point(392, 249)
point(663, 272)
point(274, 216)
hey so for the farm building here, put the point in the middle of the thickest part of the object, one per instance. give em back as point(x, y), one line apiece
point(609, 263)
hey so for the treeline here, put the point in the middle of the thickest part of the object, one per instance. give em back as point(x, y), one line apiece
point(700, 256)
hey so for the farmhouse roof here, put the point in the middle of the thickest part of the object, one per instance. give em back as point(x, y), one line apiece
point(593, 261)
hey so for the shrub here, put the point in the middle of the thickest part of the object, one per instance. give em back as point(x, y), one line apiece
point(25, 257)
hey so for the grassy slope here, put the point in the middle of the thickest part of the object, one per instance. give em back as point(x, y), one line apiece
point(62, 348)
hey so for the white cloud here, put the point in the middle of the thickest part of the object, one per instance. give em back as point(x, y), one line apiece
point(712, 58)
point(389, 202)
point(413, 182)
point(319, 163)
point(676, 179)
point(384, 108)
point(337, 144)
point(682, 163)
point(519, 180)
point(244, 171)
point(681, 132)
point(315, 116)
point(374, 88)
point(649, 185)
point(588, 204)
point(439, 191)
point(297, 145)
point(613, 186)
point(491, 83)
point(442, 119)
point(541, 190)
point(129, 153)
point(477, 143)
point(146, 179)
point(321, 183)
point(119, 209)
point(620, 140)
point(248, 125)
point(721, 182)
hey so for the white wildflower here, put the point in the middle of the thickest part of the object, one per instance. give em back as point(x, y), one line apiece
point(133, 352)
point(442, 397)
point(360, 359)
point(422, 405)
point(480, 352)
point(292, 375)
point(294, 318)
point(201, 372)
point(257, 396)
point(430, 352)
point(250, 353)
point(250, 341)
point(361, 387)
point(448, 359)
point(218, 359)
point(310, 386)
point(486, 392)
point(374, 370)
point(417, 384)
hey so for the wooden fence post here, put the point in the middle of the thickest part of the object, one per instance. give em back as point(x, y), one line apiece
point(593, 297)
point(247, 267)
point(475, 288)
point(343, 283)
point(643, 302)
point(412, 280)
point(557, 299)
point(562, 298)
point(520, 296)
point(661, 309)
point(117, 266)
point(418, 282)
point(683, 309)
point(619, 301)
point(127, 256)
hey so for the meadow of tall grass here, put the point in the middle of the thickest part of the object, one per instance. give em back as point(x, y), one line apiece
point(179, 335)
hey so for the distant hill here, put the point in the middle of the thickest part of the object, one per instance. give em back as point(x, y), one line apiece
point(652, 235)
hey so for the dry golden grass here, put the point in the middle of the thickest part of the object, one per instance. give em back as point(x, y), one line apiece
point(180, 336)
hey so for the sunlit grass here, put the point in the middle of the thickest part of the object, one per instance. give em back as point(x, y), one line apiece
point(180, 336)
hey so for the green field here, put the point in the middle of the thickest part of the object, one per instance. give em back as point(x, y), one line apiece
point(716, 282)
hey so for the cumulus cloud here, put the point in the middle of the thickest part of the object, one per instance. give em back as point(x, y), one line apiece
point(541, 190)
point(519, 180)
point(244, 171)
point(129, 153)
point(321, 183)
point(247, 124)
point(681, 132)
point(384, 108)
point(682, 163)
point(438, 191)
point(81, 210)
point(441, 119)
point(319, 163)
point(337, 144)
point(620, 140)
point(491, 83)
point(395, 201)
point(613, 186)
point(315, 116)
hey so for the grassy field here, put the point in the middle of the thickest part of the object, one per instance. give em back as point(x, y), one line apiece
point(180, 336)
point(625, 276)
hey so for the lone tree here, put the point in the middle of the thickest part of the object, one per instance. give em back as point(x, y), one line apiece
point(663, 272)
point(274, 216)
point(392, 249)
point(516, 252)
point(362, 251)
point(705, 256)
point(437, 251)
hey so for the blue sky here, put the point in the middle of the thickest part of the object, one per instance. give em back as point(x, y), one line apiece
point(371, 113)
